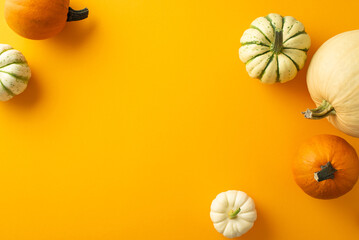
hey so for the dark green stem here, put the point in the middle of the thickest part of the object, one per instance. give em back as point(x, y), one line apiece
point(278, 42)
point(324, 110)
point(232, 214)
point(77, 15)
point(327, 172)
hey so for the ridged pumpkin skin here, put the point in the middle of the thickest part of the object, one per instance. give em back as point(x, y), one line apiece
point(40, 19)
point(233, 213)
point(274, 48)
point(314, 154)
point(333, 82)
point(14, 72)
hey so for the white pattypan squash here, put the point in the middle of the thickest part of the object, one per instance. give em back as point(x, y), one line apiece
point(14, 72)
point(333, 82)
point(274, 48)
point(233, 213)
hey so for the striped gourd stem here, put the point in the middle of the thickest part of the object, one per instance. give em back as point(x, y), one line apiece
point(278, 42)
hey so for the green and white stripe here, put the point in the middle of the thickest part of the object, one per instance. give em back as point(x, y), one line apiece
point(274, 48)
point(14, 72)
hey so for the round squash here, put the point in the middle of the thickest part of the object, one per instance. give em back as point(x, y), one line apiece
point(333, 82)
point(233, 213)
point(40, 19)
point(326, 167)
point(274, 48)
point(14, 72)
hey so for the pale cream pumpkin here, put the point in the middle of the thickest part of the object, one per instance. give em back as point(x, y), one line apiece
point(14, 72)
point(274, 48)
point(333, 82)
point(233, 213)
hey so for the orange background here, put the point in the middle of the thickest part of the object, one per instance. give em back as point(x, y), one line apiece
point(136, 118)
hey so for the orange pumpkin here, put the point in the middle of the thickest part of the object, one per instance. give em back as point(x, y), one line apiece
point(40, 19)
point(326, 167)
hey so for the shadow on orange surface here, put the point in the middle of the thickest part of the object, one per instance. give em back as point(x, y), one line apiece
point(347, 204)
point(260, 228)
point(75, 34)
point(297, 87)
point(30, 97)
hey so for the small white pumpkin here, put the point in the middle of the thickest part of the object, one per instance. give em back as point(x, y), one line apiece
point(333, 82)
point(14, 72)
point(274, 48)
point(233, 213)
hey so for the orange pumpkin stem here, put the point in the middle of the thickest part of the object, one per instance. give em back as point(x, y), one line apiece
point(327, 172)
point(77, 15)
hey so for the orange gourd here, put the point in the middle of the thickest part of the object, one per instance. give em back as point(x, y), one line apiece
point(326, 167)
point(40, 19)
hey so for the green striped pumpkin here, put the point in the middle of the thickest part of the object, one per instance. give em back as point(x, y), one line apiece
point(274, 48)
point(14, 72)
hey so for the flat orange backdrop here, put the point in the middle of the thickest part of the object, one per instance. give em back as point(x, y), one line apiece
point(136, 118)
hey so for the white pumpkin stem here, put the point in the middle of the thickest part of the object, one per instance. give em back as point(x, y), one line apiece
point(278, 42)
point(233, 214)
point(77, 15)
point(324, 110)
point(327, 172)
